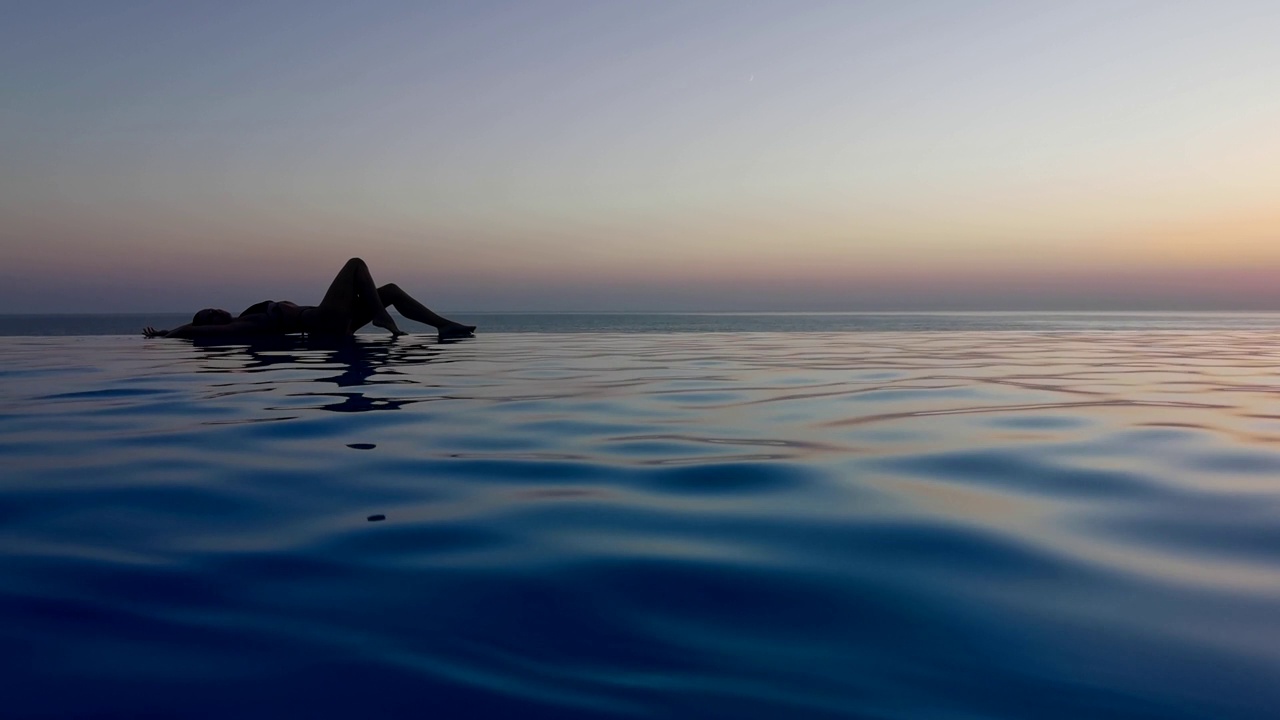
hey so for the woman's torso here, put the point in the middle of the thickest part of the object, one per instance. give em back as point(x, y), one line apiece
point(277, 316)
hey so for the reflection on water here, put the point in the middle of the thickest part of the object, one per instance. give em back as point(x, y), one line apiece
point(994, 524)
point(361, 362)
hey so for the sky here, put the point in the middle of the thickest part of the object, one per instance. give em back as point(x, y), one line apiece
point(601, 155)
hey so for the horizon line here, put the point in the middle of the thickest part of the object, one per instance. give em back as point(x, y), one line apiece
point(1243, 311)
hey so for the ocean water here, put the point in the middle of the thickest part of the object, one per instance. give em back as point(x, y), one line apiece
point(699, 322)
point(984, 523)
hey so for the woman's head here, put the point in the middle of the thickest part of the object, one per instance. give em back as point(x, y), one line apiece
point(211, 316)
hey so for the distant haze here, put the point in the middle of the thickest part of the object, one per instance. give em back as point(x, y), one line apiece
point(642, 156)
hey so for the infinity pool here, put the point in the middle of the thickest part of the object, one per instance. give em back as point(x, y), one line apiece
point(760, 525)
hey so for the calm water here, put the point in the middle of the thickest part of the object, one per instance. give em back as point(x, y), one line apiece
point(979, 524)
point(583, 322)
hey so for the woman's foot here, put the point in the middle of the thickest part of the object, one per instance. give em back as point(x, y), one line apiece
point(457, 330)
point(387, 323)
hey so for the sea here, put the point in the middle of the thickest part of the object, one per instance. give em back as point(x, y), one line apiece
point(588, 515)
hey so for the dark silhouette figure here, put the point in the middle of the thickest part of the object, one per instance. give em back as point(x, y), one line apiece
point(352, 301)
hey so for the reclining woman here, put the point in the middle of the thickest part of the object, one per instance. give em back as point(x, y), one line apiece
point(351, 302)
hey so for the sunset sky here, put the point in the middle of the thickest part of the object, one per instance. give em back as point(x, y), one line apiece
point(642, 156)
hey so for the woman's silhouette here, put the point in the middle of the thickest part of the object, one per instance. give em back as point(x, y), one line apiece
point(352, 301)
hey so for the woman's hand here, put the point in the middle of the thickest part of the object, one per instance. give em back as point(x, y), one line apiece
point(151, 332)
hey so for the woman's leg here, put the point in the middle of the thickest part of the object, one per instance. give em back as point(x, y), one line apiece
point(353, 299)
point(404, 303)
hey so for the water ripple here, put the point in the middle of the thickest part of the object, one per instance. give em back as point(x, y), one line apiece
point(883, 525)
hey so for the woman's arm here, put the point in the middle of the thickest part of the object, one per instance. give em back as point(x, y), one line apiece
point(231, 329)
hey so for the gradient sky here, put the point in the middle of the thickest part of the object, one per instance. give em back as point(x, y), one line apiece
point(642, 156)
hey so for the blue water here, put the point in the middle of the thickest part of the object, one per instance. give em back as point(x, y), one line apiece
point(979, 524)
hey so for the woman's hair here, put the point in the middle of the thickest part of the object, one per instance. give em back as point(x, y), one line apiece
point(211, 316)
